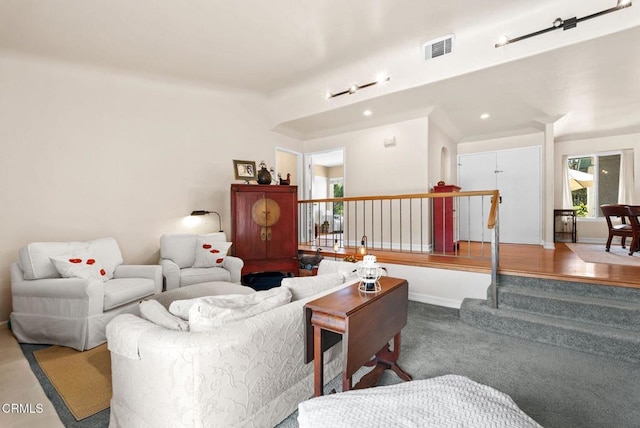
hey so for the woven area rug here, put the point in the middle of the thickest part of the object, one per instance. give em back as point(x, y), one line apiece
point(83, 379)
point(595, 253)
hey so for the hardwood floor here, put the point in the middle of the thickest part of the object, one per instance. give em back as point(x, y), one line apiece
point(515, 259)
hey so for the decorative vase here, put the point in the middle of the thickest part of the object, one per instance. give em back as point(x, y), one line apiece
point(264, 176)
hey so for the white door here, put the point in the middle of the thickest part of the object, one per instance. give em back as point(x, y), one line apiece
point(519, 182)
point(516, 174)
point(475, 172)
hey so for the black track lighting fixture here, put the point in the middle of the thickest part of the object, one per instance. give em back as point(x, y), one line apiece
point(564, 24)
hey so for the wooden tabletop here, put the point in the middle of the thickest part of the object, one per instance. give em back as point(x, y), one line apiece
point(349, 299)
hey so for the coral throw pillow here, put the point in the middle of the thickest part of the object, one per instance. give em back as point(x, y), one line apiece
point(210, 253)
point(79, 265)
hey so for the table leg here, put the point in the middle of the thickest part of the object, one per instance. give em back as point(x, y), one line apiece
point(392, 361)
point(385, 359)
point(346, 381)
point(318, 363)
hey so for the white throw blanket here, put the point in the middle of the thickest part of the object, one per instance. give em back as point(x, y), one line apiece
point(445, 401)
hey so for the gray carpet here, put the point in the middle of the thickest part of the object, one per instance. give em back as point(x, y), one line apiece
point(555, 386)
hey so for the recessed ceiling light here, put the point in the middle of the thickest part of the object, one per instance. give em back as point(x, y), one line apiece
point(367, 112)
point(502, 40)
point(382, 77)
point(485, 116)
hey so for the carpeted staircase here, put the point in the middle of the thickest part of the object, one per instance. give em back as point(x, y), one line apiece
point(602, 320)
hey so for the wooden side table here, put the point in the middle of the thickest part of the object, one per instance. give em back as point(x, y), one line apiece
point(365, 322)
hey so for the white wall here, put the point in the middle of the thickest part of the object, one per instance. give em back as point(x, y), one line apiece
point(438, 140)
point(89, 153)
point(595, 230)
point(441, 286)
point(504, 143)
point(287, 163)
point(372, 169)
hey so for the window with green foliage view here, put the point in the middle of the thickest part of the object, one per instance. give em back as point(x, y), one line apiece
point(594, 180)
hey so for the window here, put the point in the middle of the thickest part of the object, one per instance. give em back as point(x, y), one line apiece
point(338, 192)
point(594, 181)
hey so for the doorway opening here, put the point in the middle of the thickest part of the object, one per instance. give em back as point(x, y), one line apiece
point(324, 224)
point(289, 168)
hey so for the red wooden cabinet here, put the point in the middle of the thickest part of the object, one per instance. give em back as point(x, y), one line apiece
point(445, 224)
point(264, 223)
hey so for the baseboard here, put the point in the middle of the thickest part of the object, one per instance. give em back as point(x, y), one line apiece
point(435, 300)
point(4, 322)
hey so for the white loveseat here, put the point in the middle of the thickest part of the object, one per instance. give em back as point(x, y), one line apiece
point(247, 373)
point(178, 255)
point(74, 311)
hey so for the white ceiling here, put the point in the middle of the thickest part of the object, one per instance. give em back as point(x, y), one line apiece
point(594, 85)
point(266, 46)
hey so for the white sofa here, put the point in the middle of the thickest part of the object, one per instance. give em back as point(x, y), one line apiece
point(247, 373)
point(73, 311)
point(177, 256)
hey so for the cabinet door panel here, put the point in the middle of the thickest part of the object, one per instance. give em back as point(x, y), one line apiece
point(283, 242)
point(248, 243)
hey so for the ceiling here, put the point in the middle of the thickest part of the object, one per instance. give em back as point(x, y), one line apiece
point(329, 158)
point(590, 88)
point(267, 46)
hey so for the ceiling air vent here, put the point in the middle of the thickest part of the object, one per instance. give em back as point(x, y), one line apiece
point(438, 47)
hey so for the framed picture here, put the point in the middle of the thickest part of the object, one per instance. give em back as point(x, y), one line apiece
point(245, 170)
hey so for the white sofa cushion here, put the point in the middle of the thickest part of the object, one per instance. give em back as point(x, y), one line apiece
point(209, 252)
point(181, 248)
point(209, 313)
point(79, 265)
point(306, 286)
point(34, 259)
point(154, 311)
point(120, 291)
point(108, 252)
point(345, 268)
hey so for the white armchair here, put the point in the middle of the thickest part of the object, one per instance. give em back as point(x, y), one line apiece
point(74, 311)
point(178, 256)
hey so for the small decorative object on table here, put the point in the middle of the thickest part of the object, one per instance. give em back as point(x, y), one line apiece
point(369, 272)
point(309, 262)
point(284, 181)
point(350, 258)
point(264, 176)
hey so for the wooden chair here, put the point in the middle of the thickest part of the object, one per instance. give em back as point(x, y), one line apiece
point(634, 220)
point(624, 230)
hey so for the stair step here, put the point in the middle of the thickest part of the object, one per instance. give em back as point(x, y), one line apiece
point(596, 339)
point(594, 310)
point(571, 288)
